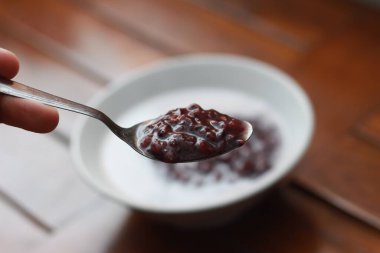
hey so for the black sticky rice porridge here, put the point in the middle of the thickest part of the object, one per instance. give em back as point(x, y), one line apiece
point(249, 161)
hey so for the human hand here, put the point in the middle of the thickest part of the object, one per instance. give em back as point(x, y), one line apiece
point(22, 113)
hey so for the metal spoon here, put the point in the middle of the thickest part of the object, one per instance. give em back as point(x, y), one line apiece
point(129, 135)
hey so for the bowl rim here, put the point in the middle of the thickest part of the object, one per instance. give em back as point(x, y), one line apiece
point(170, 63)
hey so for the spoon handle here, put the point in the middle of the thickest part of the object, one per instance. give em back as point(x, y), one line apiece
point(16, 89)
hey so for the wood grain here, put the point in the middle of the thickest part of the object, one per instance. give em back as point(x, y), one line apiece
point(75, 37)
point(36, 170)
point(291, 22)
point(368, 126)
point(287, 221)
point(74, 47)
point(348, 176)
point(94, 231)
point(342, 79)
point(38, 173)
point(195, 30)
point(18, 234)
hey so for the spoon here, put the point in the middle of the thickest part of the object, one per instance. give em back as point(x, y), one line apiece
point(130, 135)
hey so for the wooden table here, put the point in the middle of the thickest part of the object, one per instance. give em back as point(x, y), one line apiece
point(331, 47)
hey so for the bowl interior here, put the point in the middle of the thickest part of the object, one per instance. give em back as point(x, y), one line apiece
point(225, 83)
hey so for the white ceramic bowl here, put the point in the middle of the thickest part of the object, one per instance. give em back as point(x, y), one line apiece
point(227, 83)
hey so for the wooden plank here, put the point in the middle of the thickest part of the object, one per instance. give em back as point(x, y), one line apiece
point(287, 221)
point(37, 172)
point(347, 174)
point(94, 231)
point(17, 234)
point(76, 38)
point(36, 169)
point(292, 22)
point(342, 78)
point(45, 186)
point(368, 127)
point(195, 30)
point(312, 21)
point(347, 234)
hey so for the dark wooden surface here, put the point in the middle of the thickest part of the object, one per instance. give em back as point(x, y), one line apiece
point(331, 47)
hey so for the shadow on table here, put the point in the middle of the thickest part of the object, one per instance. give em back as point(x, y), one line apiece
point(278, 224)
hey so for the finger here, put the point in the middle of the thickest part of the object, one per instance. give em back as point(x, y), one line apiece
point(22, 113)
point(27, 114)
point(9, 64)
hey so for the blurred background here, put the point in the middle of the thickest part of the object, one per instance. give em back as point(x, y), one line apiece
point(75, 47)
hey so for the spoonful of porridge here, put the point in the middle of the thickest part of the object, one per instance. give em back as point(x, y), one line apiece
point(181, 135)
